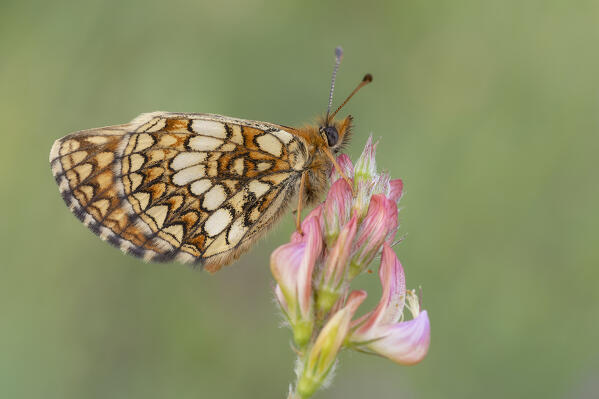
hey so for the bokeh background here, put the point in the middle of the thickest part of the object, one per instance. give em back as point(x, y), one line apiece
point(487, 110)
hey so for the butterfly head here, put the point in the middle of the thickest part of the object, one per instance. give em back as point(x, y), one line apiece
point(336, 133)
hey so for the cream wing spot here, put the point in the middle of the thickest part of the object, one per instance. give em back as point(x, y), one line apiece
point(187, 159)
point(276, 178)
point(238, 166)
point(217, 222)
point(217, 246)
point(167, 140)
point(83, 171)
point(76, 157)
point(63, 185)
point(136, 180)
point(269, 143)
point(209, 128)
point(284, 136)
point(200, 186)
point(69, 146)
point(88, 191)
point(158, 213)
point(238, 229)
point(156, 155)
point(214, 197)
point(136, 161)
point(144, 141)
point(143, 199)
point(258, 188)
point(125, 246)
point(228, 147)
point(236, 136)
point(105, 233)
point(231, 184)
point(88, 220)
point(187, 175)
point(262, 166)
point(203, 143)
point(104, 159)
point(238, 201)
point(176, 230)
point(96, 139)
point(149, 255)
point(102, 206)
point(212, 169)
point(154, 125)
point(185, 257)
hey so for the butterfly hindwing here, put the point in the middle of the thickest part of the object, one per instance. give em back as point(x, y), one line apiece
point(191, 187)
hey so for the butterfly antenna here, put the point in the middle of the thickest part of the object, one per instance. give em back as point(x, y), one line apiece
point(338, 56)
point(365, 80)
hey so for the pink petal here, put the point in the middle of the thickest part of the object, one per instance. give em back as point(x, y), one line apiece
point(337, 259)
point(313, 241)
point(346, 167)
point(393, 281)
point(285, 263)
point(314, 213)
point(395, 190)
point(337, 207)
point(355, 299)
point(292, 265)
point(405, 343)
point(378, 225)
point(390, 307)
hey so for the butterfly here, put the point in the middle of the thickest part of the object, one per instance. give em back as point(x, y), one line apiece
point(195, 188)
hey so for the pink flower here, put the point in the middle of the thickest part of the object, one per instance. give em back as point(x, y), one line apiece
point(333, 276)
point(292, 266)
point(382, 331)
point(365, 168)
point(378, 226)
point(337, 209)
point(346, 167)
point(338, 240)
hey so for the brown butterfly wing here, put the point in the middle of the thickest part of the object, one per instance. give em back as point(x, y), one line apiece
point(188, 187)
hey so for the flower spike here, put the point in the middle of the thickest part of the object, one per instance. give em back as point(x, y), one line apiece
point(314, 271)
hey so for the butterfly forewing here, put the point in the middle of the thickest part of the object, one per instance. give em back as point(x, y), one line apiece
point(191, 187)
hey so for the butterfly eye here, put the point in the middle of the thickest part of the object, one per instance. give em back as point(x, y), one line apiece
point(332, 135)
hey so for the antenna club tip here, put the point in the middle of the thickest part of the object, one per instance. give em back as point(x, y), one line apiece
point(338, 52)
point(367, 78)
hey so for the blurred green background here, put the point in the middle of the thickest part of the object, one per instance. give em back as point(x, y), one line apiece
point(487, 110)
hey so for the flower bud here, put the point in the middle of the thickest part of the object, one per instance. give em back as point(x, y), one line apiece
point(335, 268)
point(379, 225)
point(365, 168)
point(323, 353)
point(336, 209)
point(292, 265)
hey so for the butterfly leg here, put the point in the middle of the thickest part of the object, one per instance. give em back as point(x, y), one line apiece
point(298, 225)
point(338, 168)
